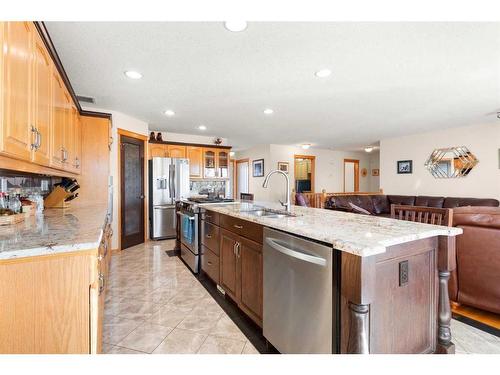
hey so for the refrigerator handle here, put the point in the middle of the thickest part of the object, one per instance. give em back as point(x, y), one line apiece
point(172, 181)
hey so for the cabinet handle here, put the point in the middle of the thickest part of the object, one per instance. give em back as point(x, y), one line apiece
point(238, 226)
point(238, 251)
point(209, 263)
point(77, 163)
point(35, 142)
point(39, 139)
point(209, 236)
point(208, 216)
point(234, 248)
point(102, 283)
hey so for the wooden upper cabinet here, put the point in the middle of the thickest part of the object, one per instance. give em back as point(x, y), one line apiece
point(176, 151)
point(195, 156)
point(43, 105)
point(17, 136)
point(209, 163)
point(223, 164)
point(77, 143)
point(157, 150)
point(59, 120)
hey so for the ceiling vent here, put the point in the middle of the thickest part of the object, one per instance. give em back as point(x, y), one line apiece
point(85, 99)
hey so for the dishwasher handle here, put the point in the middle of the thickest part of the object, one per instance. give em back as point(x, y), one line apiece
point(295, 254)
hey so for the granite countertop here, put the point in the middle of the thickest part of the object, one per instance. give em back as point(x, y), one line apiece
point(54, 231)
point(357, 234)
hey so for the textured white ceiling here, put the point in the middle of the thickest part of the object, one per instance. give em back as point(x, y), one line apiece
point(388, 79)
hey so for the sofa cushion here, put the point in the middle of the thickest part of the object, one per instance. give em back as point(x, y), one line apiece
point(363, 201)
point(427, 201)
point(451, 202)
point(381, 204)
point(359, 210)
point(408, 200)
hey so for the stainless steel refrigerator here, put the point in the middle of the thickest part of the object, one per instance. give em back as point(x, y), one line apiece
point(168, 183)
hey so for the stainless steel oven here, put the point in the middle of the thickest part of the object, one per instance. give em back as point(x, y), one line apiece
point(189, 234)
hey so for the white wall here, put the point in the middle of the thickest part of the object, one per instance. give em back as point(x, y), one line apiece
point(329, 169)
point(125, 122)
point(374, 164)
point(482, 182)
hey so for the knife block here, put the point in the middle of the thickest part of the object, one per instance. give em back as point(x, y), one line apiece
point(56, 198)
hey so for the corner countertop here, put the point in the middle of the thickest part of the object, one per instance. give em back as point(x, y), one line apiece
point(362, 235)
point(54, 231)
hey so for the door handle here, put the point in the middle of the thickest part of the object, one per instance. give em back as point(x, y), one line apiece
point(294, 253)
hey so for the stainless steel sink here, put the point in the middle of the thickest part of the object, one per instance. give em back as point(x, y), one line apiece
point(267, 212)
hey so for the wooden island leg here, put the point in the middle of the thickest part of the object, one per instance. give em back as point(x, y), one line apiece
point(446, 264)
point(359, 330)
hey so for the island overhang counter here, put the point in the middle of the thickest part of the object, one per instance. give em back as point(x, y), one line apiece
point(393, 275)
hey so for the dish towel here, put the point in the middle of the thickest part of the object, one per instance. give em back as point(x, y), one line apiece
point(187, 229)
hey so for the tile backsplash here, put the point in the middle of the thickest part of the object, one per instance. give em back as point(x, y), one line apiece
point(25, 183)
point(204, 187)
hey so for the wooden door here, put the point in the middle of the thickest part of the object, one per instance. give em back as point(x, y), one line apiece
point(132, 191)
point(195, 156)
point(250, 264)
point(43, 106)
point(229, 273)
point(223, 164)
point(17, 87)
point(209, 163)
point(57, 135)
point(157, 150)
point(176, 151)
point(351, 175)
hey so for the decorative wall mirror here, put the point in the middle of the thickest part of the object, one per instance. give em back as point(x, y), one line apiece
point(451, 162)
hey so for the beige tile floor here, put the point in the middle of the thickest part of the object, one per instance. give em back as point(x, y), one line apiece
point(154, 304)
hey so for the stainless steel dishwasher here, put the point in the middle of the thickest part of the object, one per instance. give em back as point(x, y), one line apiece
point(299, 310)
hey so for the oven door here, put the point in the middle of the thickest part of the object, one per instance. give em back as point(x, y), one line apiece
point(189, 231)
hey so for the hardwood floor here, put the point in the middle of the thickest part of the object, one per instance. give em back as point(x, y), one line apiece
point(484, 317)
point(156, 305)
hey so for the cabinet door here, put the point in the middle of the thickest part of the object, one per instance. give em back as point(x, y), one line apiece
point(175, 151)
point(229, 273)
point(250, 264)
point(223, 164)
point(43, 106)
point(209, 163)
point(195, 156)
point(157, 150)
point(77, 143)
point(59, 112)
point(69, 132)
point(17, 87)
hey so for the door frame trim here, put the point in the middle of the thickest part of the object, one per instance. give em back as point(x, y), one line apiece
point(236, 162)
point(144, 139)
point(312, 158)
point(356, 173)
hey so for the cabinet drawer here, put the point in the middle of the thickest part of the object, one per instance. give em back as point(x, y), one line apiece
point(244, 228)
point(211, 216)
point(210, 263)
point(210, 236)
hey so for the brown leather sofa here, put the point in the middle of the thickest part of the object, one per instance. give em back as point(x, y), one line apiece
point(380, 205)
point(476, 280)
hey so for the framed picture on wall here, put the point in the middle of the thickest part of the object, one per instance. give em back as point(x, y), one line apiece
point(375, 172)
point(258, 168)
point(405, 166)
point(283, 166)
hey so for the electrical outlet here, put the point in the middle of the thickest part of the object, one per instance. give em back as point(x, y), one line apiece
point(403, 273)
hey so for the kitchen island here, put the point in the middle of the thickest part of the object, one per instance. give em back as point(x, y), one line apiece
point(53, 269)
point(390, 288)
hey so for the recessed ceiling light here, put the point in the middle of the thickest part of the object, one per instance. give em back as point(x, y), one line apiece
point(202, 127)
point(133, 75)
point(305, 146)
point(268, 111)
point(169, 113)
point(235, 26)
point(323, 73)
point(368, 149)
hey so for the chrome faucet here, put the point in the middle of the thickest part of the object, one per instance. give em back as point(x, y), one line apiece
point(287, 204)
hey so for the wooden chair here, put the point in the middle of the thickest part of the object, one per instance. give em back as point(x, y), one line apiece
point(420, 214)
point(246, 197)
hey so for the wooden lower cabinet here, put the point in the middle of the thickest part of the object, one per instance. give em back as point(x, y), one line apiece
point(240, 263)
point(54, 304)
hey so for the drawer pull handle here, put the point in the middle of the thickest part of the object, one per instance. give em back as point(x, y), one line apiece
point(209, 236)
point(238, 226)
point(209, 263)
point(208, 216)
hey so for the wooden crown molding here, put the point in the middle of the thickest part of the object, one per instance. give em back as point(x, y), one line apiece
point(44, 34)
point(190, 144)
